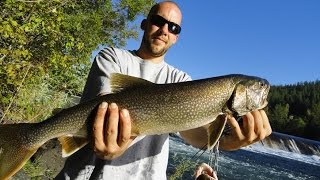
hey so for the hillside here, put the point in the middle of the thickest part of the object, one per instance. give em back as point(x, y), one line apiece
point(295, 109)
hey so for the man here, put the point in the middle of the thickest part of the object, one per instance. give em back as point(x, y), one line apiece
point(116, 155)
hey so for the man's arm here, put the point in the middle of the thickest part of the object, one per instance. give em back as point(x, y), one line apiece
point(255, 127)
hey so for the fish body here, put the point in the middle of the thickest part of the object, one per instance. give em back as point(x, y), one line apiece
point(153, 108)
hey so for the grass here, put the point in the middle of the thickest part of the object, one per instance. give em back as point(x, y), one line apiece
point(36, 171)
point(36, 102)
point(183, 167)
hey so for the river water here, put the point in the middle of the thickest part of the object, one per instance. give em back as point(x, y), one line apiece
point(254, 162)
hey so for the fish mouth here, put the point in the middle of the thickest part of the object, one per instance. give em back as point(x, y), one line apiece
point(264, 99)
point(264, 103)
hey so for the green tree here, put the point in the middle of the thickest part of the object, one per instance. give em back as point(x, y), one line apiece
point(52, 40)
point(295, 126)
point(279, 116)
point(313, 128)
point(302, 118)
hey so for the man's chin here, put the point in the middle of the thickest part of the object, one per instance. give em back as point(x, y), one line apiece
point(157, 52)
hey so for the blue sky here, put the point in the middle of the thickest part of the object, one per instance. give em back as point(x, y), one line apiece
point(275, 39)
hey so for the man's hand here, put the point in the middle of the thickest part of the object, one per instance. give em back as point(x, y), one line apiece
point(111, 131)
point(205, 172)
point(255, 127)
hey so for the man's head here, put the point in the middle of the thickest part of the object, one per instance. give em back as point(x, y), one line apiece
point(161, 29)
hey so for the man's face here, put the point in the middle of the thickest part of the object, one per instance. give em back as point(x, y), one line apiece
point(159, 35)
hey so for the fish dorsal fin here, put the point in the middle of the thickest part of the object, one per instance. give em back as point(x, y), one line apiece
point(120, 82)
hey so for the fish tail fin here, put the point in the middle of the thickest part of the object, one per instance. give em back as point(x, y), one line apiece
point(215, 130)
point(15, 148)
point(71, 144)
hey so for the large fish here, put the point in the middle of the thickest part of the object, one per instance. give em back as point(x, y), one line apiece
point(154, 109)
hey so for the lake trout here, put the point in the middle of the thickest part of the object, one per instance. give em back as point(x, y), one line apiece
point(153, 108)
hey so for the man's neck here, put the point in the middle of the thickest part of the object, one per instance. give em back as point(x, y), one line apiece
point(147, 57)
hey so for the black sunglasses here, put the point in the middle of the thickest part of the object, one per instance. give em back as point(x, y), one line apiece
point(160, 21)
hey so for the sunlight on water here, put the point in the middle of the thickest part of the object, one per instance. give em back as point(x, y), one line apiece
point(254, 162)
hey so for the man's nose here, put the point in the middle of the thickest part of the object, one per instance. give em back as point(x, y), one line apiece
point(164, 29)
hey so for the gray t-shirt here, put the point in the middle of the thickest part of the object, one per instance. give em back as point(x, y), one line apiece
point(147, 156)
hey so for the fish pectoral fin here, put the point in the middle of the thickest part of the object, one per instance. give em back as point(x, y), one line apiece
point(71, 144)
point(215, 130)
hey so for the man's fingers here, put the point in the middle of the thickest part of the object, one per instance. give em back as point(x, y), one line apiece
point(125, 128)
point(111, 131)
point(248, 124)
point(255, 127)
point(111, 135)
point(258, 128)
point(235, 126)
point(98, 126)
point(266, 123)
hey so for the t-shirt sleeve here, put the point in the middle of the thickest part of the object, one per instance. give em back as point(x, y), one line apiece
point(185, 77)
point(180, 76)
point(98, 81)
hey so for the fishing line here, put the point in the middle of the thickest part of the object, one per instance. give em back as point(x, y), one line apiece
point(214, 152)
point(202, 149)
point(213, 158)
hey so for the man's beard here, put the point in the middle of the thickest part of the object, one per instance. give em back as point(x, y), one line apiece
point(156, 52)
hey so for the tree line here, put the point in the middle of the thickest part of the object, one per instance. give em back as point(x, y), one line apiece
point(295, 109)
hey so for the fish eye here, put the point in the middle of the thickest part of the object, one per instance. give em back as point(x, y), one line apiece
point(262, 84)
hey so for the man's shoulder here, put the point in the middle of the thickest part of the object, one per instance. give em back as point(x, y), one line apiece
point(115, 55)
point(115, 51)
point(179, 75)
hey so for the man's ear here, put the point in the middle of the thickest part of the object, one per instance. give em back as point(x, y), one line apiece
point(143, 24)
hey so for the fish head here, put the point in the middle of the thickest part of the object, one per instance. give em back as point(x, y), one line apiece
point(249, 94)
